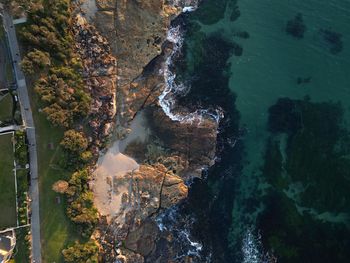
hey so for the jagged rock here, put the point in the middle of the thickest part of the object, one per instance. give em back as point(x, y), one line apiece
point(142, 240)
point(194, 142)
point(136, 30)
point(106, 4)
point(105, 25)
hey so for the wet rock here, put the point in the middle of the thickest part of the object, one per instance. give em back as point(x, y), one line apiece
point(142, 240)
point(194, 142)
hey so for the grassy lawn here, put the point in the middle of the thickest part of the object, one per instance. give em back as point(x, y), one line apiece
point(2, 31)
point(6, 105)
point(56, 229)
point(7, 183)
point(8, 66)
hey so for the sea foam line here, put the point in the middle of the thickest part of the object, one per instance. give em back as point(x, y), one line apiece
point(166, 100)
point(169, 221)
point(252, 249)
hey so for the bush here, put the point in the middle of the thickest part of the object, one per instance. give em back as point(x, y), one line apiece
point(81, 253)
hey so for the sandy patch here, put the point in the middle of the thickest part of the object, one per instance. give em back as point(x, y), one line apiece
point(108, 190)
point(110, 182)
point(139, 132)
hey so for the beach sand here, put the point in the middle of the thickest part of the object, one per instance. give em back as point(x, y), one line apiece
point(109, 182)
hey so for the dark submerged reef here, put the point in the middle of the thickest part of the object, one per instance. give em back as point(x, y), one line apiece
point(209, 201)
point(204, 63)
point(210, 12)
point(332, 40)
point(316, 159)
point(307, 151)
point(296, 27)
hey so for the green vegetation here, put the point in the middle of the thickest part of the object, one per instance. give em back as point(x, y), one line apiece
point(21, 155)
point(21, 253)
point(21, 149)
point(75, 145)
point(22, 195)
point(6, 106)
point(35, 61)
point(2, 31)
point(82, 253)
point(50, 41)
point(7, 183)
point(81, 209)
point(56, 228)
point(74, 141)
point(59, 87)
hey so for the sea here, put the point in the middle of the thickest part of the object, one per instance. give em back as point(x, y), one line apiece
point(275, 74)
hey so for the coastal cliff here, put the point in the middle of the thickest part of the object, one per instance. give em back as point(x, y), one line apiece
point(144, 172)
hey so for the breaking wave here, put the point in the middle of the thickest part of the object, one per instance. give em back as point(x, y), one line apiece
point(252, 249)
point(167, 98)
point(171, 220)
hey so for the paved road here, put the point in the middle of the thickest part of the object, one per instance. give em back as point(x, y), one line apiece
point(9, 128)
point(30, 130)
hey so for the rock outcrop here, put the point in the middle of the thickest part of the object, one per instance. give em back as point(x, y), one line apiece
point(100, 75)
point(193, 142)
point(136, 30)
point(130, 200)
point(142, 194)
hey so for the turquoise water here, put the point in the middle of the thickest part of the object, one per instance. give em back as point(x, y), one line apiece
point(285, 186)
point(273, 61)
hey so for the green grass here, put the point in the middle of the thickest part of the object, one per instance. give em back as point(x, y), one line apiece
point(6, 108)
point(7, 183)
point(8, 66)
point(21, 252)
point(57, 231)
point(2, 32)
point(9, 73)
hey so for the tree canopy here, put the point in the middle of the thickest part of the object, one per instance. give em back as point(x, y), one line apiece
point(81, 253)
point(74, 141)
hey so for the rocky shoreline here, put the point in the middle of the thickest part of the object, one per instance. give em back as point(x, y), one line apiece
point(124, 54)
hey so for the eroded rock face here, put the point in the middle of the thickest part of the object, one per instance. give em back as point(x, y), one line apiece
point(106, 4)
point(136, 30)
point(99, 72)
point(194, 142)
point(142, 194)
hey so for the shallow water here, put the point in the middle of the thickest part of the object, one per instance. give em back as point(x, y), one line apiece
point(262, 186)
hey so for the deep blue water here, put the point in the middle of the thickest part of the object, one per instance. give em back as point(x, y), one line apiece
point(280, 70)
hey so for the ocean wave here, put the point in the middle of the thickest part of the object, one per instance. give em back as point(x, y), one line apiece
point(171, 220)
point(252, 249)
point(172, 88)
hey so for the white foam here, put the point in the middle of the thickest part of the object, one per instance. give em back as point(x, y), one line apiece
point(196, 247)
point(166, 99)
point(252, 249)
point(168, 220)
point(188, 9)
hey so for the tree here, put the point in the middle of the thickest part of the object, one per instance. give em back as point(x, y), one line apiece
point(74, 141)
point(81, 253)
point(81, 209)
point(34, 61)
point(60, 186)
